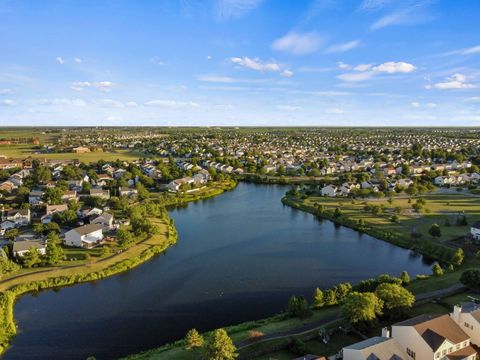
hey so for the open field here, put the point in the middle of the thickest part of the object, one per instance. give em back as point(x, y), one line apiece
point(22, 151)
point(439, 209)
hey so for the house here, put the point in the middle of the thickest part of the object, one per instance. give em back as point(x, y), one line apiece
point(430, 337)
point(378, 347)
point(7, 225)
point(81, 150)
point(19, 217)
point(475, 231)
point(20, 248)
point(126, 191)
point(86, 236)
point(105, 221)
point(35, 197)
point(100, 193)
point(88, 212)
point(175, 185)
point(51, 210)
point(69, 195)
point(7, 186)
point(329, 190)
point(467, 316)
point(201, 177)
point(103, 179)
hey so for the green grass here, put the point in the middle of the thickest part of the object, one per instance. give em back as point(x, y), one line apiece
point(22, 151)
point(435, 283)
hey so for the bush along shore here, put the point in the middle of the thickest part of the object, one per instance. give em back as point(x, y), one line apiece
point(424, 247)
point(8, 297)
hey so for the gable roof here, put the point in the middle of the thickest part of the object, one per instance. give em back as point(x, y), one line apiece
point(379, 347)
point(87, 229)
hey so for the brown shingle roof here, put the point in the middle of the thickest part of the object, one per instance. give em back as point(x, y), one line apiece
point(87, 229)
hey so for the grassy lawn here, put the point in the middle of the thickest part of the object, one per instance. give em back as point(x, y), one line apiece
point(94, 264)
point(435, 283)
point(21, 151)
point(441, 207)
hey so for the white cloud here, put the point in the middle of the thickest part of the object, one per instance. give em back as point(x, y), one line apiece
point(457, 81)
point(224, 106)
point(60, 60)
point(363, 67)
point(7, 102)
point(110, 103)
point(77, 60)
point(395, 67)
point(104, 86)
point(255, 64)
point(156, 60)
point(287, 73)
point(290, 108)
point(298, 43)
point(354, 77)
point(431, 105)
point(227, 79)
point(473, 98)
point(61, 102)
point(416, 104)
point(415, 13)
point(337, 48)
point(343, 66)
point(374, 4)
point(171, 104)
point(226, 9)
point(6, 91)
point(472, 50)
point(337, 111)
point(131, 104)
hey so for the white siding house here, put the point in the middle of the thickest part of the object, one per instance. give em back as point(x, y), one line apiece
point(86, 236)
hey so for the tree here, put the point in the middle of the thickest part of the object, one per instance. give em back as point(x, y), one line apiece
point(395, 297)
point(143, 193)
point(330, 297)
point(342, 290)
point(471, 279)
point(458, 256)
point(31, 258)
point(318, 300)
point(361, 307)
point(220, 346)
point(55, 252)
point(405, 278)
point(437, 270)
point(298, 306)
point(193, 340)
point(435, 230)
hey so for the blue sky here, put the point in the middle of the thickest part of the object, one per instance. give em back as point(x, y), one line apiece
point(240, 62)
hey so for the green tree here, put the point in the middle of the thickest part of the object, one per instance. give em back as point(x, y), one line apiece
point(193, 340)
point(220, 346)
point(471, 278)
point(342, 290)
point(318, 300)
point(395, 297)
point(143, 193)
point(361, 307)
point(54, 252)
point(437, 270)
point(298, 306)
point(31, 258)
point(435, 230)
point(330, 297)
point(458, 256)
point(405, 278)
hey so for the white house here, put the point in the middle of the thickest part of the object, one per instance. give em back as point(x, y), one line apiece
point(20, 248)
point(19, 217)
point(100, 193)
point(51, 210)
point(86, 236)
point(428, 337)
point(329, 190)
point(126, 191)
point(475, 231)
point(467, 316)
point(105, 221)
point(378, 347)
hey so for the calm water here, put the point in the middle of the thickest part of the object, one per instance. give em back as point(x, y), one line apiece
point(239, 257)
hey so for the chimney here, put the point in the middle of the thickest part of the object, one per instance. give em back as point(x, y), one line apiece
point(385, 332)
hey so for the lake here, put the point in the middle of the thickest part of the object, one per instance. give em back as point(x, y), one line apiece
point(239, 257)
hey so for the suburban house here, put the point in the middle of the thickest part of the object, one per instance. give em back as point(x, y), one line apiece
point(35, 197)
point(19, 217)
point(86, 236)
point(467, 316)
point(475, 231)
point(51, 210)
point(105, 221)
point(69, 195)
point(7, 186)
point(329, 190)
point(126, 191)
point(428, 337)
point(175, 185)
point(378, 347)
point(100, 193)
point(20, 248)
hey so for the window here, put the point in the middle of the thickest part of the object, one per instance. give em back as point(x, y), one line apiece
point(450, 349)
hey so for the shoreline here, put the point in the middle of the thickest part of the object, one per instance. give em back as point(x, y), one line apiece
point(10, 294)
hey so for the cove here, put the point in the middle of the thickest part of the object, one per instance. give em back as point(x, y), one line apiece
point(239, 257)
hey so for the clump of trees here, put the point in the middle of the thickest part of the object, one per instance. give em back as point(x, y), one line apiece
point(219, 346)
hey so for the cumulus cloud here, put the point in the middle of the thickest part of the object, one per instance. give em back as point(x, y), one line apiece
point(416, 104)
point(343, 47)
point(7, 102)
point(226, 79)
point(226, 9)
point(171, 104)
point(297, 43)
point(60, 60)
point(367, 71)
point(105, 86)
point(343, 66)
point(255, 64)
point(456, 81)
point(287, 73)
